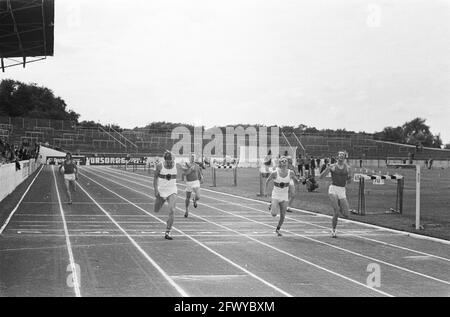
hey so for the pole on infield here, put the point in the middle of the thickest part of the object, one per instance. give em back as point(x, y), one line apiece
point(418, 197)
point(213, 176)
point(399, 203)
point(235, 175)
point(361, 198)
point(261, 184)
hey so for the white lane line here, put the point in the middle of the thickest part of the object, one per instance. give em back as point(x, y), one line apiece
point(17, 206)
point(316, 225)
point(418, 257)
point(267, 245)
point(160, 270)
point(207, 277)
point(199, 243)
point(318, 241)
point(76, 280)
point(407, 233)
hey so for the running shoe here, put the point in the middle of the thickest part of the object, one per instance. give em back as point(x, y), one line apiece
point(288, 209)
point(186, 214)
point(194, 202)
point(333, 234)
point(167, 236)
point(70, 202)
point(277, 231)
point(270, 207)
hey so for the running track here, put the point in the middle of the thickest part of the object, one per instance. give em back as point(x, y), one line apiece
point(110, 243)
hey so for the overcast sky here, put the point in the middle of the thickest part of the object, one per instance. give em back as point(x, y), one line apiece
point(354, 64)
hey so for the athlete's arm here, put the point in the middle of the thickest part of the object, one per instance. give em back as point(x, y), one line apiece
point(200, 174)
point(75, 168)
point(350, 174)
point(325, 171)
point(155, 178)
point(270, 178)
point(183, 168)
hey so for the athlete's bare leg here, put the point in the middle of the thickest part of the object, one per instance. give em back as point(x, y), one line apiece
point(69, 196)
point(344, 207)
point(197, 193)
point(171, 201)
point(336, 209)
point(283, 207)
point(291, 197)
point(186, 202)
point(159, 202)
point(74, 185)
point(275, 206)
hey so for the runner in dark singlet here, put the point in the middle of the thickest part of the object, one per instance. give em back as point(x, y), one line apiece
point(194, 177)
point(70, 175)
point(340, 175)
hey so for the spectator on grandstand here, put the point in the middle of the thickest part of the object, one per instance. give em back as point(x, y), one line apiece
point(325, 164)
point(268, 162)
point(307, 163)
point(430, 164)
point(318, 163)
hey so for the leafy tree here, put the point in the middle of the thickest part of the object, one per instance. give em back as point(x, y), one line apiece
point(414, 132)
point(18, 99)
point(391, 134)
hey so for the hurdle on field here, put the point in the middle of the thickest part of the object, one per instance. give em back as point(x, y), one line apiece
point(379, 179)
point(400, 186)
point(233, 167)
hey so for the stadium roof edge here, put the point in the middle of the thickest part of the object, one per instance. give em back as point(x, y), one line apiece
point(26, 31)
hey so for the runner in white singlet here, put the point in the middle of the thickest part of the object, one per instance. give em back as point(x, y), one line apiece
point(280, 194)
point(165, 185)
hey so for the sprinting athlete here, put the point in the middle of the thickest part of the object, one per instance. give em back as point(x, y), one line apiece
point(280, 193)
point(165, 185)
point(70, 175)
point(194, 177)
point(341, 174)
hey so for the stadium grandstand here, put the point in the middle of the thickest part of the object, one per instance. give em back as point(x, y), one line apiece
point(69, 136)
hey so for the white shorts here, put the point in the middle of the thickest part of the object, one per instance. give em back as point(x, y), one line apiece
point(190, 186)
point(166, 192)
point(338, 191)
point(280, 196)
point(291, 182)
point(69, 177)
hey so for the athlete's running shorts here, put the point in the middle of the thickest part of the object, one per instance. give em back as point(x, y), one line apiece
point(69, 177)
point(190, 186)
point(337, 190)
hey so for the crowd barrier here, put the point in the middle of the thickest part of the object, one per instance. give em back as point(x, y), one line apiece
point(10, 178)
